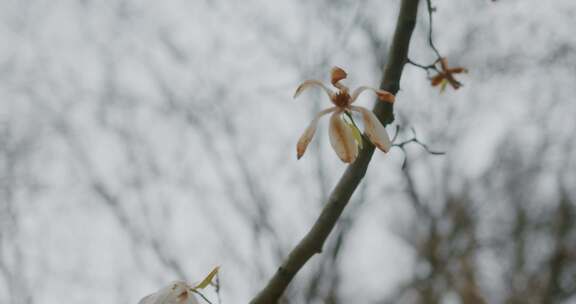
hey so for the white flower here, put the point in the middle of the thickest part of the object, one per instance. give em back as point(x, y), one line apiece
point(341, 136)
point(176, 293)
point(180, 292)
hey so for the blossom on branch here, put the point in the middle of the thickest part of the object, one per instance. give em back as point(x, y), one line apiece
point(180, 292)
point(341, 133)
point(445, 76)
point(176, 293)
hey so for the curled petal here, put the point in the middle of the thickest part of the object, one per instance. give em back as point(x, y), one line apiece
point(309, 132)
point(337, 74)
point(342, 139)
point(382, 95)
point(308, 83)
point(374, 129)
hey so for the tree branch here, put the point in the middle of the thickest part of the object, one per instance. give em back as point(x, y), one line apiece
point(314, 240)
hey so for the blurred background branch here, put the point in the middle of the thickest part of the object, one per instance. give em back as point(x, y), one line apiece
point(146, 141)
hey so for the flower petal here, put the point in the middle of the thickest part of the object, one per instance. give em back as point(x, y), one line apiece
point(453, 82)
point(443, 84)
point(342, 140)
point(444, 63)
point(308, 83)
point(150, 299)
point(176, 292)
point(374, 129)
point(436, 80)
point(382, 95)
point(457, 70)
point(309, 132)
point(337, 74)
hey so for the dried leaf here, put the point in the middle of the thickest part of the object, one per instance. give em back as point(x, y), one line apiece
point(208, 279)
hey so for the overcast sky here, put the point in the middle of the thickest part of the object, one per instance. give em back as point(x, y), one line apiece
point(139, 140)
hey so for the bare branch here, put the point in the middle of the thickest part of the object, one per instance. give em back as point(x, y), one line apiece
point(314, 240)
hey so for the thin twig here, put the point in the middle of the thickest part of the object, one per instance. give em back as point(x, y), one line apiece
point(415, 140)
point(432, 66)
point(201, 295)
point(423, 145)
point(217, 288)
point(396, 133)
point(431, 10)
point(424, 67)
